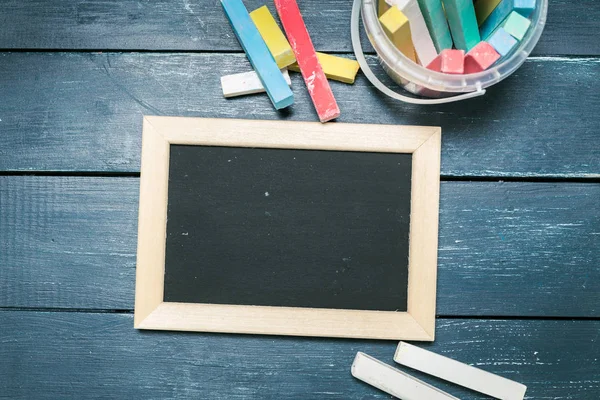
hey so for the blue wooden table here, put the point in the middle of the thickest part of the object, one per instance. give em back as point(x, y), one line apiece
point(519, 248)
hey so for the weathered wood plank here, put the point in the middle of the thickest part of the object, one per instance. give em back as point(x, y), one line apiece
point(520, 249)
point(83, 112)
point(79, 355)
point(200, 25)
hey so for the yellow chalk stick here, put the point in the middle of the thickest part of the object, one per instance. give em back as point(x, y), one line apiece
point(273, 36)
point(382, 7)
point(397, 28)
point(483, 9)
point(336, 68)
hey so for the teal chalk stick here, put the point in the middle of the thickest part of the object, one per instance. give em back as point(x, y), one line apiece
point(496, 18)
point(525, 7)
point(258, 53)
point(463, 23)
point(433, 13)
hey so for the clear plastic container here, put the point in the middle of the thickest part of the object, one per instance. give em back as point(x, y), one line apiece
point(421, 81)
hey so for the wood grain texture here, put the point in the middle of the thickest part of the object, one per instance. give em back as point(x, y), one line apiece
point(70, 243)
point(79, 355)
point(83, 112)
point(201, 25)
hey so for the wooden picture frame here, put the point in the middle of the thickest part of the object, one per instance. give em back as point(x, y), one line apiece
point(151, 312)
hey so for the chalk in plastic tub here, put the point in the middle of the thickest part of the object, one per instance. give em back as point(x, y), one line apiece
point(419, 80)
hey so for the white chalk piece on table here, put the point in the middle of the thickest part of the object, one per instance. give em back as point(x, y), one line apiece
point(306, 57)
point(393, 381)
point(257, 52)
point(246, 83)
point(421, 38)
point(496, 18)
point(458, 373)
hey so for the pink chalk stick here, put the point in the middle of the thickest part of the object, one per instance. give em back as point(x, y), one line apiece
point(449, 62)
point(480, 58)
point(312, 72)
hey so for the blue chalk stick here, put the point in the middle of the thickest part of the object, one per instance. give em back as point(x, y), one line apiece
point(502, 41)
point(258, 53)
point(525, 7)
point(463, 23)
point(496, 18)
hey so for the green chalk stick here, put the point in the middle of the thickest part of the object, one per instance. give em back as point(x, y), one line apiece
point(433, 13)
point(463, 23)
point(517, 25)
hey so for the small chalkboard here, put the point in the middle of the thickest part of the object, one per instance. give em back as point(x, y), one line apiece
point(288, 228)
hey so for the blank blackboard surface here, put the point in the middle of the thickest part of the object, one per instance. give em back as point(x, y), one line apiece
point(281, 227)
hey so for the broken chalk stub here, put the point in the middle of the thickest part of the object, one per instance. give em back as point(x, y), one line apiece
point(336, 68)
point(459, 373)
point(246, 83)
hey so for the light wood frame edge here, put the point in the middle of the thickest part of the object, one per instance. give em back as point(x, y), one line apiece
point(418, 323)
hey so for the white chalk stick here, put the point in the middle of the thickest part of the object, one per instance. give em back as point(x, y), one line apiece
point(418, 29)
point(246, 83)
point(458, 373)
point(393, 381)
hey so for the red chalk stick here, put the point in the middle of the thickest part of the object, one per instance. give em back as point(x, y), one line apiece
point(449, 62)
point(480, 58)
point(311, 70)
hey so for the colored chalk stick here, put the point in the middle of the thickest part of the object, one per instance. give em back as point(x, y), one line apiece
point(397, 28)
point(480, 58)
point(424, 46)
point(436, 22)
point(393, 381)
point(525, 7)
point(382, 7)
point(449, 62)
point(502, 41)
point(496, 18)
point(517, 25)
point(456, 372)
point(463, 23)
point(335, 68)
point(312, 72)
point(246, 83)
point(257, 52)
point(483, 9)
point(273, 36)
